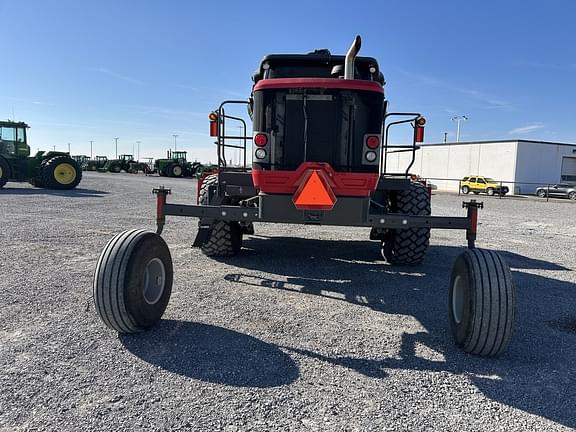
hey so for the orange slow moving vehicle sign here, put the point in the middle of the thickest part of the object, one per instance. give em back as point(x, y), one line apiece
point(314, 193)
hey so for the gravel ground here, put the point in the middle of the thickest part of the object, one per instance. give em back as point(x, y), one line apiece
point(307, 329)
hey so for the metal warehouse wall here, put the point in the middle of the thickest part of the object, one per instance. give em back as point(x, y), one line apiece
point(454, 161)
point(540, 163)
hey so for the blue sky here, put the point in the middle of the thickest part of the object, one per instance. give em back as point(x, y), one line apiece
point(144, 70)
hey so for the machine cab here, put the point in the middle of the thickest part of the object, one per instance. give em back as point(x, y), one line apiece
point(304, 110)
point(13, 140)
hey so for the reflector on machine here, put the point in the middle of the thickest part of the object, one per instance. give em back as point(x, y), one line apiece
point(314, 193)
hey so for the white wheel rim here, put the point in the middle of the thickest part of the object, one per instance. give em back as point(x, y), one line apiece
point(458, 290)
point(154, 281)
point(177, 170)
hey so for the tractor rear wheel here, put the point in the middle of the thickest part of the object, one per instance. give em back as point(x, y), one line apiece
point(4, 172)
point(60, 172)
point(226, 237)
point(408, 246)
point(481, 303)
point(115, 168)
point(176, 170)
point(133, 281)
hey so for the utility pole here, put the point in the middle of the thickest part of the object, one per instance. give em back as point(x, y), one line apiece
point(138, 142)
point(175, 136)
point(91, 149)
point(445, 137)
point(68, 148)
point(458, 119)
point(116, 140)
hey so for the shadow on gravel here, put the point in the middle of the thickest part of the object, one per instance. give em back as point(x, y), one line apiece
point(213, 354)
point(74, 193)
point(536, 375)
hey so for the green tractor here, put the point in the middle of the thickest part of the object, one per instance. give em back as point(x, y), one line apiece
point(118, 165)
point(52, 170)
point(82, 161)
point(97, 163)
point(176, 165)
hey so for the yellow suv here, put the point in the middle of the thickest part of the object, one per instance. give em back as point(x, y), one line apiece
point(479, 184)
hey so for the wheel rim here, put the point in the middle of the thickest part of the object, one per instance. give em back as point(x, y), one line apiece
point(490, 191)
point(541, 194)
point(64, 173)
point(572, 195)
point(177, 171)
point(1, 172)
point(154, 281)
point(458, 291)
point(465, 190)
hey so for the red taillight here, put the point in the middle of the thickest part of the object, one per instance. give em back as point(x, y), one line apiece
point(260, 139)
point(213, 128)
point(419, 134)
point(373, 142)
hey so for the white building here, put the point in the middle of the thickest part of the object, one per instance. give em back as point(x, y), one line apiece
point(521, 165)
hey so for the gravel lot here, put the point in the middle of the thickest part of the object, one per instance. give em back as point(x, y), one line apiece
point(307, 329)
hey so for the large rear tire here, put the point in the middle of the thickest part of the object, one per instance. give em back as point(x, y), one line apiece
point(60, 172)
point(481, 303)
point(133, 281)
point(408, 246)
point(4, 172)
point(226, 237)
point(115, 168)
point(176, 171)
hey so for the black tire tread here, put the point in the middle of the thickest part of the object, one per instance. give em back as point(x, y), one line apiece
point(409, 246)
point(493, 312)
point(223, 240)
point(5, 171)
point(109, 280)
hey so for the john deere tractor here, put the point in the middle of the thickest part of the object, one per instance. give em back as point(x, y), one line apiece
point(176, 165)
point(97, 163)
point(52, 170)
point(118, 165)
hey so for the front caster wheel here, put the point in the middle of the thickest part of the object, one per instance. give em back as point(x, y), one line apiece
point(133, 281)
point(481, 303)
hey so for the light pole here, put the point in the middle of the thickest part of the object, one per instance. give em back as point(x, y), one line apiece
point(116, 141)
point(91, 149)
point(68, 148)
point(458, 119)
point(138, 142)
point(175, 136)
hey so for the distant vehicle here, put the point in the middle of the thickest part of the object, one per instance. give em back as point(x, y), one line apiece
point(95, 164)
point(560, 190)
point(117, 165)
point(51, 170)
point(478, 184)
point(176, 165)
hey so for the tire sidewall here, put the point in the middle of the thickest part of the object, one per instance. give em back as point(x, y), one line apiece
point(174, 169)
point(48, 168)
point(465, 190)
point(5, 171)
point(461, 331)
point(150, 246)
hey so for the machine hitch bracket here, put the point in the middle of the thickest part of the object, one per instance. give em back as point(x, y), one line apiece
point(472, 207)
point(161, 194)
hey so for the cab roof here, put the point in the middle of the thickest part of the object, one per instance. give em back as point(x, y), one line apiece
point(317, 64)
